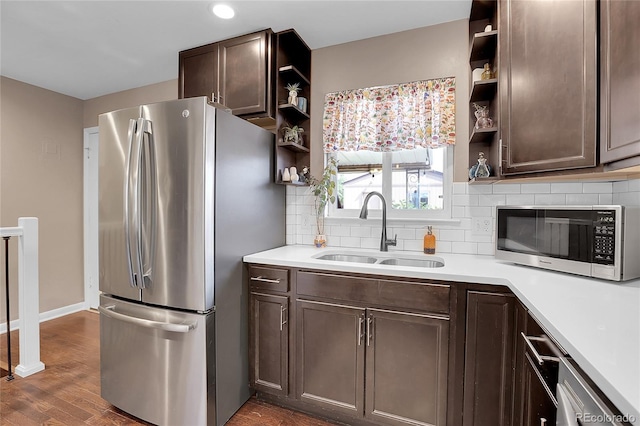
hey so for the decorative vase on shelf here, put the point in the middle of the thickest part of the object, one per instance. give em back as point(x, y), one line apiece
point(286, 176)
point(480, 170)
point(293, 172)
point(487, 74)
point(320, 241)
point(483, 121)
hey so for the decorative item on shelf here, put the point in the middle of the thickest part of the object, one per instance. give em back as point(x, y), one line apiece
point(323, 190)
point(488, 28)
point(302, 104)
point(304, 176)
point(293, 172)
point(483, 121)
point(293, 93)
point(286, 176)
point(480, 170)
point(487, 74)
point(292, 134)
point(476, 74)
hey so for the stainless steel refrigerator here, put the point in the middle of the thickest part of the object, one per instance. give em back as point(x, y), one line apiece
point(185, 191)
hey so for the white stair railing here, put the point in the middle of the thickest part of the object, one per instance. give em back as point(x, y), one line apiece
point(28, 295)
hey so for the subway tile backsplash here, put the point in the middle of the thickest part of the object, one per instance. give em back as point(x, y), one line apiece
point(469, 202)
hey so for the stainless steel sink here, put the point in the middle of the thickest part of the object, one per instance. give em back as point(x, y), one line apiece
point(348, 258)
point(420, 263)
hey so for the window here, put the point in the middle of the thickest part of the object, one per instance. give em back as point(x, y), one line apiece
point(414, 182)
point(396, 140)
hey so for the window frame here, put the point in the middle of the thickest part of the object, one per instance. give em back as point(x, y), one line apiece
point(333, 212)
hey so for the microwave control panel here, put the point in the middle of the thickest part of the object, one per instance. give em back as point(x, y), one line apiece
point(604, 236)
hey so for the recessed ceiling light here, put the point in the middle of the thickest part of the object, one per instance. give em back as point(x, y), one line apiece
point(223, 11)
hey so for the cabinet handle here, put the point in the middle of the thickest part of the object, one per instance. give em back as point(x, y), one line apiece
point(540, 358)
point(369, 330)
point(360, 329)
point(266, 280)
point(283, 319)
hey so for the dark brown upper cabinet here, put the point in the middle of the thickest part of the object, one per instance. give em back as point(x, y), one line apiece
point(548, 85)
point(236, 73)
point(619, 83)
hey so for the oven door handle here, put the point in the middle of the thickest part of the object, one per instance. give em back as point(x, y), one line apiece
point(566, 415)
point(539, 358)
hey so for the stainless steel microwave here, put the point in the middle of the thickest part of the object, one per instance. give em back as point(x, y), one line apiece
point(595, 241)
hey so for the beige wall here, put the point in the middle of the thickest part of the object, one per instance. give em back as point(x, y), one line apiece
point(41, 175)
point(429, 52)
point(159, 92)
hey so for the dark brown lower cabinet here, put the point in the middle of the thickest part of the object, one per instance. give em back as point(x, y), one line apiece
point(330, 356)
point(269, 343)
point(406, 368)
point(538, 408)
point(388, 366)
point(488, 366)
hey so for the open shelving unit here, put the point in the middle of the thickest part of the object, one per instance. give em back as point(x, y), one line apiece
point(293, 66)
point(483, 48)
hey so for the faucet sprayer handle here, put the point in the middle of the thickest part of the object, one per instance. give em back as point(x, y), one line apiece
point(394, 241)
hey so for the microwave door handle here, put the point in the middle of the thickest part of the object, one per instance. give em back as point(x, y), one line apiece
point(566, 415)
point(150, 195)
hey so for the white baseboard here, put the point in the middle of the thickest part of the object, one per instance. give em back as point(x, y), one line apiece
point(46, 316)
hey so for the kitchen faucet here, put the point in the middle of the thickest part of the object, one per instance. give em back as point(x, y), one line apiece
point(384, 243)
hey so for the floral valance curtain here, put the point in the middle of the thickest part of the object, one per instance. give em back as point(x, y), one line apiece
point(391, 118)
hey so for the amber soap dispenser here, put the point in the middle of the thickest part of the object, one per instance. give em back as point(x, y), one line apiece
point(429, 241)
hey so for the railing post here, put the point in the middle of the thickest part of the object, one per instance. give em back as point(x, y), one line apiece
point(28, 298)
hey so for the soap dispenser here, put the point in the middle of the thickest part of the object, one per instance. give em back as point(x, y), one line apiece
point(429, 241)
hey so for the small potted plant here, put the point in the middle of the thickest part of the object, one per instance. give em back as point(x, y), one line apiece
point(291, 134)
point(324, 191)
point(293, 92)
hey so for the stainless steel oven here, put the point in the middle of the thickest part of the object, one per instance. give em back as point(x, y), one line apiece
point(595, 241)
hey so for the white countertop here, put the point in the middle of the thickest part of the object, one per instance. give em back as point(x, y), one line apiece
point(597, 322)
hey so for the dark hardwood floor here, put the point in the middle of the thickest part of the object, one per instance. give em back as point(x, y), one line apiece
point(67, 392)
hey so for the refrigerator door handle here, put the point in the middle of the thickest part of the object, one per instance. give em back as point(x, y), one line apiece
point(150, 195)
point(132, 204)
point(110, 312)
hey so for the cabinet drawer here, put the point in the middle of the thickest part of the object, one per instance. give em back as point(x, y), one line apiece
point(272, 279)
point(392, 293)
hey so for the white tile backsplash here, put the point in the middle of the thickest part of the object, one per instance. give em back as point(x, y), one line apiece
point(468, 202)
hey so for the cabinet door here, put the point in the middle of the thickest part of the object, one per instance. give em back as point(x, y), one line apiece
point(538, 408)
point(199, 72)
point(330, 356)
point(406, 377)
point(488, 359)
point(243, 73)
point(548, 85)
point(619, 80)
point(269, 343)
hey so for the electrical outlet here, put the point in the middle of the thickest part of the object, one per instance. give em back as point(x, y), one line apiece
point(482, 225)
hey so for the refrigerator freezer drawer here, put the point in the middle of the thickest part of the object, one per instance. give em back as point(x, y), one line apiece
point(157, 364)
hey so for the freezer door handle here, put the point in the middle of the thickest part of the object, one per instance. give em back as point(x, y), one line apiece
point(110, 312)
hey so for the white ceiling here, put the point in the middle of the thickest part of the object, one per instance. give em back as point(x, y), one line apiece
point(87, 49)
